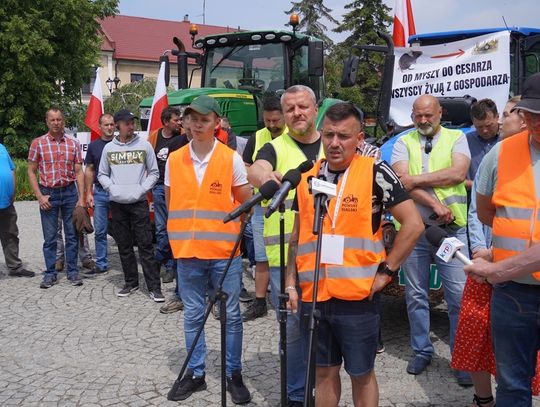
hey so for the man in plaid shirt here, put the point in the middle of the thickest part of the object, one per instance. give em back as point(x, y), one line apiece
point(61, 187)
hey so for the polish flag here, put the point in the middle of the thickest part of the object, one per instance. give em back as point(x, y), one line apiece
point(95, 109)
point(403, 23)
point(160, 101)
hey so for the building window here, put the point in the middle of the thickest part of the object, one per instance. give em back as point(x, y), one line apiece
point(135, 77)
point(88, 87)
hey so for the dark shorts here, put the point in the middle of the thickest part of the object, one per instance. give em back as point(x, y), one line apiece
point(348, 331)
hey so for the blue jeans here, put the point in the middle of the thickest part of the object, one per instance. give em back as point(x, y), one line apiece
point(249, 249)
point(257, 226)
point(416, 269)
point(193, 277)
point(101, 224)
point(163, 249)
point(296, 362)
point(63, 201)
point(515, 311)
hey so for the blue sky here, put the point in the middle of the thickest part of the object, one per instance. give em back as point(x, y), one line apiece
point(429, 15)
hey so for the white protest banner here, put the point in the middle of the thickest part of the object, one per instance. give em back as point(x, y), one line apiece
point(478, 67)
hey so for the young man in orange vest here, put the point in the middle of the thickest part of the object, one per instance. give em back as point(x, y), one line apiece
point(508, 199)
point(354, 266)
point(204, 181)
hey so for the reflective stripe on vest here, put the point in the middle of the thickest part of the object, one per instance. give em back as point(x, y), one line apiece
point(349, 243)
point(339, 272)
point(288, 156)
point(455, 196)
point(190, 213)
point(516, 223)
point(195, 227)
point(363, 250)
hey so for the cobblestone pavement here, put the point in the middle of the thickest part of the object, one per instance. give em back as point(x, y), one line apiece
point(84, 346)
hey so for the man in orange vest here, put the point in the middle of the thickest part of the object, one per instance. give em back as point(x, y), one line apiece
point(204, 181)
point(508, 199)
point(354, 266)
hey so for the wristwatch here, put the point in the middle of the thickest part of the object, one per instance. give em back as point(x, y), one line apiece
point(383, 268)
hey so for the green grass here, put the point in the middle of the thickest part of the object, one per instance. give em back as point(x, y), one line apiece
point(23, 192)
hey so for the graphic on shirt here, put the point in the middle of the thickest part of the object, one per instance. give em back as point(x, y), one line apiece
point(126, 157)
point(162, 154)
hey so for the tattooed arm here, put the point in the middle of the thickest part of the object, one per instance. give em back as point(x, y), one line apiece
point(291, 274)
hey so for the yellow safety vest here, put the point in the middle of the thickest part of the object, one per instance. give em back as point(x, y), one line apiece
point(455, 196)
point(288, 156)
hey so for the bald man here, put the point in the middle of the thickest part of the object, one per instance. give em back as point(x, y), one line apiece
point(432, 163)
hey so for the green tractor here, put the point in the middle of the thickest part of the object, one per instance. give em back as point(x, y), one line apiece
point(240, 69)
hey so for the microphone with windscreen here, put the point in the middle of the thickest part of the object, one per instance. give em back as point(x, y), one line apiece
point(266, 191)
point(290, 180)
point(449, 247)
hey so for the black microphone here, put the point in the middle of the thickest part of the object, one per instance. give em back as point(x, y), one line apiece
point(290, 180)
point(438, 237)
point(266, 191)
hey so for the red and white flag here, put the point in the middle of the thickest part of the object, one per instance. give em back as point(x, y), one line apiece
point(403, 23)
point(160, 101)
point(95, 109)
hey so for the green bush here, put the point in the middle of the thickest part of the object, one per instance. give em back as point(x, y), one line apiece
point(24, 191)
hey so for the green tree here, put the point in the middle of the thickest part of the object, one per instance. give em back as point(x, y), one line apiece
point(310, 13)
point(48, 52)
point(129, 96)
point(364, 19)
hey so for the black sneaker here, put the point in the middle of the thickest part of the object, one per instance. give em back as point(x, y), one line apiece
point(245, 296)
point(255, 310)
point(85, 273)
point(157, 296)
point(21, 273)
point(75, 281)
point(48, 282)
point(236, 387)
point(96, 271)
point(124, 292)
point(187, 386)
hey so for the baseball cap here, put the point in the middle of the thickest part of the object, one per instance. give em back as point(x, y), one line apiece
point(124, 115)
point(530, 97)
point(203, 104)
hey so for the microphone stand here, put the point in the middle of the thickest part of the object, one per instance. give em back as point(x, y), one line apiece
point(282, 312)
point(314, 315)
point(222, 297)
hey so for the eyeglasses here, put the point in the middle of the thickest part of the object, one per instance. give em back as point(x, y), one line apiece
point(428, 146)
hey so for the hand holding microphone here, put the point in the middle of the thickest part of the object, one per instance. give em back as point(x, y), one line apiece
point(449, 247)
point(290, 180)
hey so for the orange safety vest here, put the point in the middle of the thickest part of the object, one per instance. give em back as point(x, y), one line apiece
point(195, 224)
point(222, 135)
point(363, 250)
point(517, 208)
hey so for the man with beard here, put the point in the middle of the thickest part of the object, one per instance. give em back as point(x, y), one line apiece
point(302, 142)
point(432, 163)
point(275, 127)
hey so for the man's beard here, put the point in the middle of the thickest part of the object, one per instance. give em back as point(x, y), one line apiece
point(275, 130)
point(427, 130)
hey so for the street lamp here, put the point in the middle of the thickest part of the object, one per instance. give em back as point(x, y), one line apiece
point(110, 82)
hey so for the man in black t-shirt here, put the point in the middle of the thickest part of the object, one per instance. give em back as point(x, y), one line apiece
point(161, 140)
point(96, 196)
